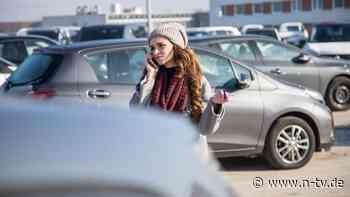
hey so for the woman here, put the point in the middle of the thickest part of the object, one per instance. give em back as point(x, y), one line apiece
point(173, 81)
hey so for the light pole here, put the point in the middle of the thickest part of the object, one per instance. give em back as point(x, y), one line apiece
point(149, 16)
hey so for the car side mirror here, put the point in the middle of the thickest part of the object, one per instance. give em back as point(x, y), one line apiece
point(244, 81)
point(301, 59)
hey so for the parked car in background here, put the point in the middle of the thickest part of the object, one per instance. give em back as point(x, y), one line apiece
point(63, 35)
point(102, 32)
point(294, 33)
point(105, 73)
point(212, 31)
point(62, 149)
point(329, 76)
point(270, 32)
point(15, 49)
point(330, 40)
point(251, 27)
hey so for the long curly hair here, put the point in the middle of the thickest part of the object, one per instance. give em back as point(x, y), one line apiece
point(188, 65)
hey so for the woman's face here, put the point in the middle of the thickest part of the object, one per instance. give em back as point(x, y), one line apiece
point(162, 50)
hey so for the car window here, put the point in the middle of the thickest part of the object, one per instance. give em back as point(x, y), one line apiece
point(5, 68)
point(101, 33)
point(274, 52)
point(238, 50)
point(32, 44)
point(35, 67)
point(218, 70)
point(120, 66)
point(331, 33)
point(13, 51)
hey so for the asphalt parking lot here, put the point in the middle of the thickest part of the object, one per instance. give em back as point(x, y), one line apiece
point(327, 174)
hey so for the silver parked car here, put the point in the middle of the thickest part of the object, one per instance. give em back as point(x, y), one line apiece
point(329, 76)
point(68, 150)
point(266, 117)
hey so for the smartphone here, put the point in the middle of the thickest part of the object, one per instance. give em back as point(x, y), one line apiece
point(153, 62)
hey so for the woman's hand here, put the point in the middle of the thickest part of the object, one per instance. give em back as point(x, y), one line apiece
point(151, 67)
point(220, 97)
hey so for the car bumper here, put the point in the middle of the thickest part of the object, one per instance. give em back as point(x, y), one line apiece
point(325, 124)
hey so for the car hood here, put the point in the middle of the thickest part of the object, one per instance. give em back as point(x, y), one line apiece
point(329, 48)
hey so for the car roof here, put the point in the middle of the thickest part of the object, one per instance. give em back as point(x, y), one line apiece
point(28, 37)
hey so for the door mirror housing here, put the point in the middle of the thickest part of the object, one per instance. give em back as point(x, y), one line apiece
point(301, 59)
point(244, 81)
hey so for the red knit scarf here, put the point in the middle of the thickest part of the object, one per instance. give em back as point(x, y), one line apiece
point(170, 92)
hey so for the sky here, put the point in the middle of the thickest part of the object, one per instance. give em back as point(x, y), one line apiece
point(34, 10)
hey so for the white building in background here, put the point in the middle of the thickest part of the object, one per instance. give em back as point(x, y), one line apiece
point(275, 12)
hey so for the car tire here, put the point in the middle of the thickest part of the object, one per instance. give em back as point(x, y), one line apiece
point(338, 94)
point(288, 149)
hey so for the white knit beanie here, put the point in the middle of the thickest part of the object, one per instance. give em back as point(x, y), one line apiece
point(175, 32)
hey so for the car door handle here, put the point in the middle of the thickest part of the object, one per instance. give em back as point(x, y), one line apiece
point(277, 71)
point(98, 93)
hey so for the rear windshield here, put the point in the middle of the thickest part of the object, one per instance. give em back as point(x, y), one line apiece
point(264, 33)
point(47, 33)
point(293, 28)
point(331, 33)
point(101, 33)
point(35, 69)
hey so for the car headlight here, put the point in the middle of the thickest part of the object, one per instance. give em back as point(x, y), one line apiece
point(315, 95)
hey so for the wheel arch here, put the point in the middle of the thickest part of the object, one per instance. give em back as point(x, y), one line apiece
point(303, 116)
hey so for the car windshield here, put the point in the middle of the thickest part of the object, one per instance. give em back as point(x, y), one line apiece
point(47, 33)
point(293, 28)
point(101, 33)
point(34, 68)
point(331, 33)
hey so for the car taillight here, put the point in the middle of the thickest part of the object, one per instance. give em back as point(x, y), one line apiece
point(43, 94)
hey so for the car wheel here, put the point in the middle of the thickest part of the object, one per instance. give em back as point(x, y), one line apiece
point(290, 143)
point(338, 94)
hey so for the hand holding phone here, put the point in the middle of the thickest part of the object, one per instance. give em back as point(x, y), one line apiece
point(151, 66)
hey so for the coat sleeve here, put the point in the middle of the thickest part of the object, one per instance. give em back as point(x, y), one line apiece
point(141, 97)
point(210, 118)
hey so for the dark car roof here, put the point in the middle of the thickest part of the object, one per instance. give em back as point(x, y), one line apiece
point(2, 38)
point(91, 45)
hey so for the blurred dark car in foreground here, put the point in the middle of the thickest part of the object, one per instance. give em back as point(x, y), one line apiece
point(68, 150)
point(261, 118)
point(16, 49)
point(328, 76)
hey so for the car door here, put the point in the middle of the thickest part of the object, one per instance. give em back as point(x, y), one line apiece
point(240, 128)
point(115, 74)
point(278, 61)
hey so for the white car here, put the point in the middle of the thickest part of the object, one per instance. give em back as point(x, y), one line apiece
point(213, 31)
point(79, 150)
point(330, 40)
point(294, 33)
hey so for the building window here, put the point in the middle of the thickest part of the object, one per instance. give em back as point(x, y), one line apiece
point(294, 5)
point(277, 7)
point(286, 6)
point(248, 9)
point(327, 4)
point(267, 8)
point(258, 8)
point(347, 3)
point(239, 9)
point(300, 5)
point(338, 3)
point(306, 5)
point(228, 10)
